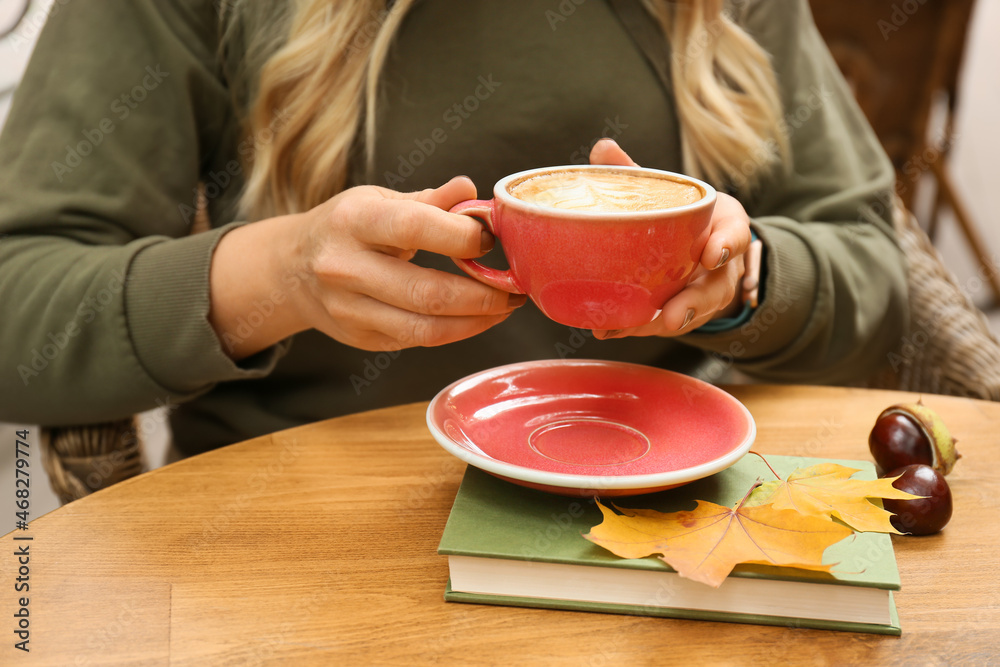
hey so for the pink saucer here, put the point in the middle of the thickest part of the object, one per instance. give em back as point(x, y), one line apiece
point(586, 427)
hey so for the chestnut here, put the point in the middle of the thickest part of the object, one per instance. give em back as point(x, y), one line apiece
point(912, 434)
point(921, 516)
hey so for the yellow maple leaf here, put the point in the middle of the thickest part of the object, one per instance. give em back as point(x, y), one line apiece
point(705, 544)
point(826, 490)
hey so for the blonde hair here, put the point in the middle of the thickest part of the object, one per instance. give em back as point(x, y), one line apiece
point(320, 62)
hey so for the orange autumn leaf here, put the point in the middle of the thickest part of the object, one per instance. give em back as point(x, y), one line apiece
point(826, 490)
point(706, 543)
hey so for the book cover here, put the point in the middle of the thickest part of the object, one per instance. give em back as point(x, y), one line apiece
point(511, 545)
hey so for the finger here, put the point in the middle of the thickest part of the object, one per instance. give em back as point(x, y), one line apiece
point(458, 189)
point(692, 307)
point(751, 275)
point(702, 299)
point(409, 224)
point(373, 325)
point(453, 192)
point(428, 291)
point(607, 151)
point(730, 236)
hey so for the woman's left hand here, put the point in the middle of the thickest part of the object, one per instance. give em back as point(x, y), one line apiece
point(715, 289)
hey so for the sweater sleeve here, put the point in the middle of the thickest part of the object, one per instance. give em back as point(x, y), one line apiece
point(835, 293)
point(105, 294)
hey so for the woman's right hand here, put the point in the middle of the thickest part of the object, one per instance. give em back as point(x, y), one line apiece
point(349, 259)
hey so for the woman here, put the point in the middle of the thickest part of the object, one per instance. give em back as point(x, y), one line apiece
point(338, 129)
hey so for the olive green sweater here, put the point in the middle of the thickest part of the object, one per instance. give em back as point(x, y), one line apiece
point(124, 110)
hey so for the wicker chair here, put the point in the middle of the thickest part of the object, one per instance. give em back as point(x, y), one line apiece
point(82, 459)
point(903, 61)
point(948, 348)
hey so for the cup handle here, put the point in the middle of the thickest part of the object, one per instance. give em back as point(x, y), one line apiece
point(502, 280)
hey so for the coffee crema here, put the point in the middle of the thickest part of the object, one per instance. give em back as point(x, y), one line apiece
point(604, 191)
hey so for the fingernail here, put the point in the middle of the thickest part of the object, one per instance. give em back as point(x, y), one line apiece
point(723, 259)
point(486, 241)
point(516, 300)
point(688, 316)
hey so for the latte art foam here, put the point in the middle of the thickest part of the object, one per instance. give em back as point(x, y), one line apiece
point(604, 191)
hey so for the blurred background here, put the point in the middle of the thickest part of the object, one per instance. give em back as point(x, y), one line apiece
point(924, 71)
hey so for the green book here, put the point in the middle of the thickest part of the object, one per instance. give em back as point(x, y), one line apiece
point(509, 545)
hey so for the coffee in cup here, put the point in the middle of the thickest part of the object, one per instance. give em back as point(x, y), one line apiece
point(595, 247)
point(604, 191)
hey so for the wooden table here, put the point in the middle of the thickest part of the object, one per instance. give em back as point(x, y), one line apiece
point(318, 546)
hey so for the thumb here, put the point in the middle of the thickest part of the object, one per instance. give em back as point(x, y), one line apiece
point(455, 191)
point(607, 151)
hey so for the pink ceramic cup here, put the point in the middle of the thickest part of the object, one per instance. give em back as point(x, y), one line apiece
point(589, 269)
